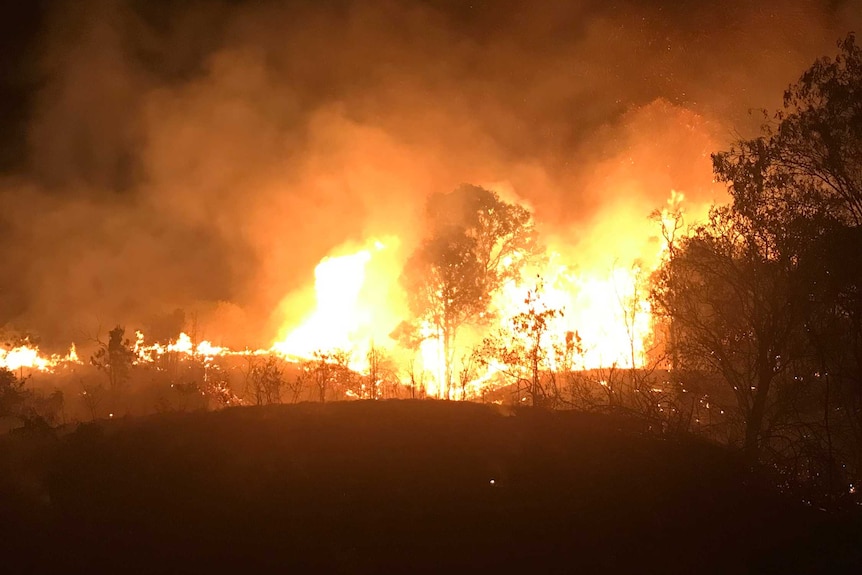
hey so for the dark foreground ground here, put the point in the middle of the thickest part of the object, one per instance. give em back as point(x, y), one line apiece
point(400, 487)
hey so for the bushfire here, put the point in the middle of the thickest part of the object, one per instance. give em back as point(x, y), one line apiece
point(592, 317)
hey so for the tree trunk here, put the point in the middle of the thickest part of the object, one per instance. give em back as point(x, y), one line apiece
point(534, 391)
point(447, 362)
point(754, 422)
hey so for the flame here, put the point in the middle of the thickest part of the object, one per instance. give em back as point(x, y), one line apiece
point(182, 346)
point(608, 311)
point(606, 308)
point(433, 360)
point(337, 317)
point(28, 356)
point(359, 302)
point(353, 309)
point(72, 356)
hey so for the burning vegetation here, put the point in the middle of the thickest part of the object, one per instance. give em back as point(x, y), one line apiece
point(479, 300)
point(728, 307)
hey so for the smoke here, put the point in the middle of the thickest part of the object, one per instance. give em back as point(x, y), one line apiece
point(206, 156)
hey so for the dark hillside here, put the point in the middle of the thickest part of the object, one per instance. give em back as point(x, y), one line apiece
point(395, 487)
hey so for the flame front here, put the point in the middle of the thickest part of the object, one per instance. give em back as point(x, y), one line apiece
point(182, 346)
point(606, 309)
point(28, 356)
point(359, 302)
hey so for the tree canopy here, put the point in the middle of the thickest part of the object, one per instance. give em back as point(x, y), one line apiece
point(474, 242)
point(766, 294)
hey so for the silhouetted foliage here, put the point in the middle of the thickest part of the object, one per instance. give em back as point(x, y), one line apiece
point(28, 405)
point(264, 380)
point(12, 393)
point(379, 380)
point(807, 160)
point(727, 291)
point(93, 396)
point(114, 357)
point(326, 372)
point(525, 353)
point(768, 294)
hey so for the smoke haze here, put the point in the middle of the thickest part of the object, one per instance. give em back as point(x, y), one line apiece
point(206, 156)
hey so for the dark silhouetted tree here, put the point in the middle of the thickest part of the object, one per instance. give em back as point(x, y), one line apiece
point(745, 293)
point(379, 379)
point(12, 393)
point(806, 160)
point(827, 391)
point(115, 358)
point(726, 290)
point(264, 380)
point(326, 372)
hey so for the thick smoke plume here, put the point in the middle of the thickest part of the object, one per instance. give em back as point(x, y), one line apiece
point(206, 156)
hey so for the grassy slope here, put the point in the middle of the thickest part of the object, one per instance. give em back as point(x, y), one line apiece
point(393, 486)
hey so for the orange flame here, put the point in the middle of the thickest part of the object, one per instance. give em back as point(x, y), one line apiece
point(353, 311)
point(28, 356)
point(359, 302)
